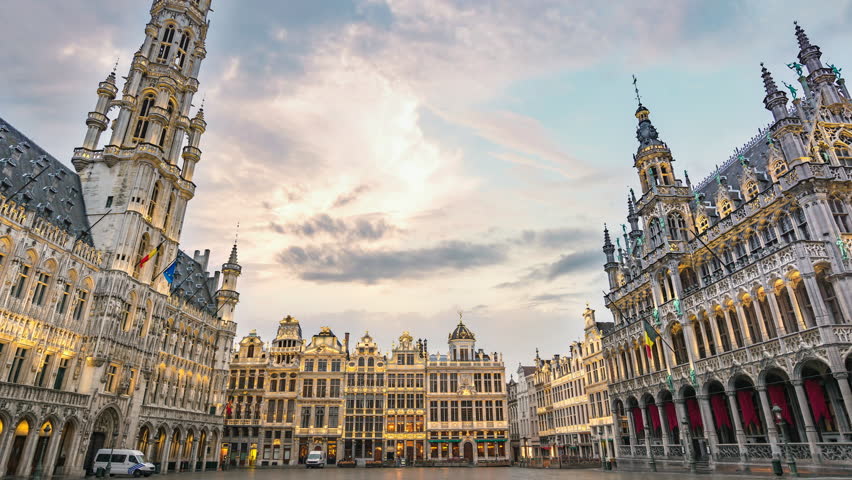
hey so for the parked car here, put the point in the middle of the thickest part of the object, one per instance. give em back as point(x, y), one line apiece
point(316, 459)
point(124, 462)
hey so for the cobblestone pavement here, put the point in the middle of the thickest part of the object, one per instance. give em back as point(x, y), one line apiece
point(505, 473)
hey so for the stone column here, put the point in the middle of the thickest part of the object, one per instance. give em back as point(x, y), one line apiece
point(7, 437)
point(711, 320)
point(772, 300)
point(795, 302)
point(164, 460)
point(631, 427)
point(738, 423)
point(769, 420)
point(680, 410)
point(664, 427)
point(709, 424)
point(193, 455)
point(50, 453)
point(733, 339)
point(741, 317)
point(29, 451)
point(807, 417)
point(206, 453)
point(704, 335)
point(689, 339)
point(845, 392)
point(616, 432)
point(817, 303)
point(761, 322)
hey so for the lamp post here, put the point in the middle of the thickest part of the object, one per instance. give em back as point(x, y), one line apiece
point(39, 467)
point(650, 448)
point(111, 450)
point(690, 458)
point(779, 421)
point(524, 452)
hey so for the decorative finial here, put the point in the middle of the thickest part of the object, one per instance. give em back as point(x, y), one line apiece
point(115, 67)
point(237, 233)
point(461, 314)
point(203, 99)
point(636, 89)
point(768, 83)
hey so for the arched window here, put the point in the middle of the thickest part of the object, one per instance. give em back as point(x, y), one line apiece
point(183, 47)
point(725, 208)
point(152, 203)
point(785, 226)
point(656, 232)
point(805, 304)
point(166, 43)
point(740, 252)
point(371, 362)
point(677, 227)
point(361, 362)
point(165, 131)
point(785, 305)
point(141, 251)
point(754, 244)
point(128, 313)
point(250, 352)
point(143, 120)
point(688, 279)
point(735, 326)
point(751, 322)
point(840, 214)
point(703, 223)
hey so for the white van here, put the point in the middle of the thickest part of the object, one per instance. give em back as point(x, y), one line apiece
point(124, 462)
point(316, 459)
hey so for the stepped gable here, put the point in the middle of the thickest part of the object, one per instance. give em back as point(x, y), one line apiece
point(55, 195)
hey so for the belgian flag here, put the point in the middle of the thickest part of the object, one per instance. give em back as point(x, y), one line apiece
point(651, 337)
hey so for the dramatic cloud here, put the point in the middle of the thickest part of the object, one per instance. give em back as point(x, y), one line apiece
point(558, 237)
point(363, 228)
point(332, 264)
point(350, 197)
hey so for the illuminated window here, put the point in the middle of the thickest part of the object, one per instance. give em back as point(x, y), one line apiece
point(80, 308)
point(40, 288)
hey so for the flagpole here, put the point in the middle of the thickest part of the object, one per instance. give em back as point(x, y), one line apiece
point(168, 267)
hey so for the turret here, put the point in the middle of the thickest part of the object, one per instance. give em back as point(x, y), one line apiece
point(227, 297)
point(97, 121)
point(611, 267)
point(191, 152)
point(786, 127)
point(820, 78)
point(462, 342)
point(653, 157)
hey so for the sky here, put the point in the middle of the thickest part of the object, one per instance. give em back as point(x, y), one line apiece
point(393, 162)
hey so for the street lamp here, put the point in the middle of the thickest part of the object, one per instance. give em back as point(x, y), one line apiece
point(38, 468)
point(779, 421)
point(650, 448)
point(688, 450)
point(111, 450)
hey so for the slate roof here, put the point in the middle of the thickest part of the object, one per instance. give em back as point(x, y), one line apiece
point(54, 195)
point(192, 284)
point(605, 327)
point(528, 370)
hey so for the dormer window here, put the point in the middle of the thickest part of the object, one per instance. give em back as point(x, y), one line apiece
point(779, 168)
point(725, 208)
point(751, 190)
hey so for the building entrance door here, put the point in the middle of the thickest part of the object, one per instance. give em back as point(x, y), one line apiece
point(468, 452)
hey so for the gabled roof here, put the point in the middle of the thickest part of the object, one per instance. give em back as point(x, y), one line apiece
point(54, 195)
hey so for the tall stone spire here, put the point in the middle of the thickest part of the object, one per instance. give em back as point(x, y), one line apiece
point(820, 79)
point(611, 266)
point(802, 37)
point(775, 100)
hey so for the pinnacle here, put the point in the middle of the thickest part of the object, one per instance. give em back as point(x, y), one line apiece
point(802, 37)
point(768, 83)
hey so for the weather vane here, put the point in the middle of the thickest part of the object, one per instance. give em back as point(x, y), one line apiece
point(636, 89)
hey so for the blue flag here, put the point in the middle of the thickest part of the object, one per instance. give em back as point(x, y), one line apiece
point(169, 273)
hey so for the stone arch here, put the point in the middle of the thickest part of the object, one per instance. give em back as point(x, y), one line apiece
point(22, 428)
point(105, 433)
point(780, 392)
point(823, 397)
point(65, 453)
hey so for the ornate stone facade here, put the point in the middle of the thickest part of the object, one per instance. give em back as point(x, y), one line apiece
point(97, 348)
point(360, 404)
point(746, 276)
